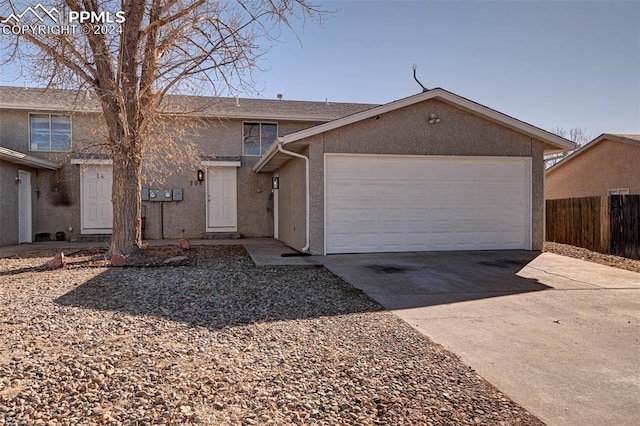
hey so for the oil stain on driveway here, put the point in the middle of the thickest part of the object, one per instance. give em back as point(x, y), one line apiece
point(560, 336)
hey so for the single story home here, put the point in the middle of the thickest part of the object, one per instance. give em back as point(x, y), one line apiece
point(608, 165)
point(433, 171)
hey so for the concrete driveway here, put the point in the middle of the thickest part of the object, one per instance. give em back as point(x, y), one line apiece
point(558, 335)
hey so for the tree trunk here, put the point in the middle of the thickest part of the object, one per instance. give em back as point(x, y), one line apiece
point(127, 204)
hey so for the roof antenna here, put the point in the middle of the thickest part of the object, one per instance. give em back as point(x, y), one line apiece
point(424, 89)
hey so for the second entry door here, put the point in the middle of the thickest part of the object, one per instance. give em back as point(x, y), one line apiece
point(222, 199)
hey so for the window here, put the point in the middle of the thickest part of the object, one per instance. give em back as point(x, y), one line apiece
point(618, 191)
point(50, 132)
point(258, 137)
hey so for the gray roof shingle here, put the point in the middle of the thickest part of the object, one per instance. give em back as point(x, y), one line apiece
point(223, 107)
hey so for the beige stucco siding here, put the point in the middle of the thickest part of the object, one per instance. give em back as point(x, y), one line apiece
point(292, 205)
point(407, 131)
point(9, 197)
point(58, 205)
point(607, 165)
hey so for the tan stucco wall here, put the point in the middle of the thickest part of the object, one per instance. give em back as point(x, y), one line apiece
point(407, 132)
point(57, 206)
point(9, 197)
point(607, 165)
point(56, 194)
point(292, 203)
point(255, 199)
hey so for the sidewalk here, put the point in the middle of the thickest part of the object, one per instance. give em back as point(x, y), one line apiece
point(263, 251)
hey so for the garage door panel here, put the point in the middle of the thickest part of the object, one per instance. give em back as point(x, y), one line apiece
point(395, 203)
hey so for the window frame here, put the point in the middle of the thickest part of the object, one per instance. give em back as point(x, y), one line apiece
point(260, 124)
point(618, 191)
point(50, 115)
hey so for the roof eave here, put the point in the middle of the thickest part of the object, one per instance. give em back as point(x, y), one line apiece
point(257, 168)
point(27, 160)
point(558, 143)
point(589, 145)
point(548, 137)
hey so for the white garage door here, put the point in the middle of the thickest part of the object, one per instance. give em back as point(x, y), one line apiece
point(379, 203)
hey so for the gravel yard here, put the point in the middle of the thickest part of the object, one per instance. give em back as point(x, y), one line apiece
point(220, 342)
point(592, 256)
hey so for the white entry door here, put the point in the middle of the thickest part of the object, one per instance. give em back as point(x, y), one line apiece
point(97, 210)
point(222, 199)
point(24, 207)
point(380, 203)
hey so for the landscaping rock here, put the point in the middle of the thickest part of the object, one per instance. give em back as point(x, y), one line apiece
point(221, 342)
point(57, 261)
point(177, 261)
point(184, 244)
point(118, 260)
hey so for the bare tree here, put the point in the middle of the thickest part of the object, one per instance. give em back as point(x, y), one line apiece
point(577, 135)
point(133, 54)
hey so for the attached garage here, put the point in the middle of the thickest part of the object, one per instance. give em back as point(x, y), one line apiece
point(383, 203)
point(431, 172)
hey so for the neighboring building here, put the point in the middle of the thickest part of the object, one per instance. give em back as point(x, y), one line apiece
point(51, 182)
point(609, 164)
point(433, 171)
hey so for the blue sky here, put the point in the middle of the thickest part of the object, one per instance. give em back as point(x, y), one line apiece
point(549, 63)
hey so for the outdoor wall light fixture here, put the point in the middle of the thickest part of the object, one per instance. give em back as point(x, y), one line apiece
point(433, 118)
point(275, 182)
point(200, 175)
point(18, 180)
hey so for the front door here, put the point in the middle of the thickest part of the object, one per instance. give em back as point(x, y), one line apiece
point(221, 199)
point(97, 210)
point(24, 207)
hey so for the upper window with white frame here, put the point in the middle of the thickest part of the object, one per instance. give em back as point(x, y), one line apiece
point(49, 132)
point(257, 138)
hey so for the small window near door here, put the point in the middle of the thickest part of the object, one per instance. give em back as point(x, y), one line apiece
point(257, 138)
point(49, 132)
point(618, 191)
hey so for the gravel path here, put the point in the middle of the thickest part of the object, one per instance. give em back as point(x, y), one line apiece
point(220, 342)
point(592, 256)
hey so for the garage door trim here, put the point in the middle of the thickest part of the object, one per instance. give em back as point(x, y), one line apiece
point(527, 163)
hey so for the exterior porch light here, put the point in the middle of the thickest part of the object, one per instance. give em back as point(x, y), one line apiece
point(275, 182)
point(200, 175)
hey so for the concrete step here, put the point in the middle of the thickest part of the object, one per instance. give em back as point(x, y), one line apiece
point(91, 238)
point(221, 236)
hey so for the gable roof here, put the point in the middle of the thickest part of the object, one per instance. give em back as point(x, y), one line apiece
point(558, 144)
point(628, 139)
point(39, 99)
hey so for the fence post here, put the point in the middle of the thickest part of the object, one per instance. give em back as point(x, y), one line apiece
point(605, 223)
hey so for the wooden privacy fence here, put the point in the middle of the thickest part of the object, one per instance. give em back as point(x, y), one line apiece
point(607, 224)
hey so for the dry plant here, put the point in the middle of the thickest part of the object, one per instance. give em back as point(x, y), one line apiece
point(137, 59)
point(577, 135)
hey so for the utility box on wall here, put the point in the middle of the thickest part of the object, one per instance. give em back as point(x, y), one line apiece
point(158, 195)
point(161, 194)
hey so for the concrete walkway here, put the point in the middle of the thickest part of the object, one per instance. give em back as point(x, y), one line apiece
point(560, 336)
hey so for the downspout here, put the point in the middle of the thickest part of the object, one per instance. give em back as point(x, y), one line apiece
point(306, 169)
